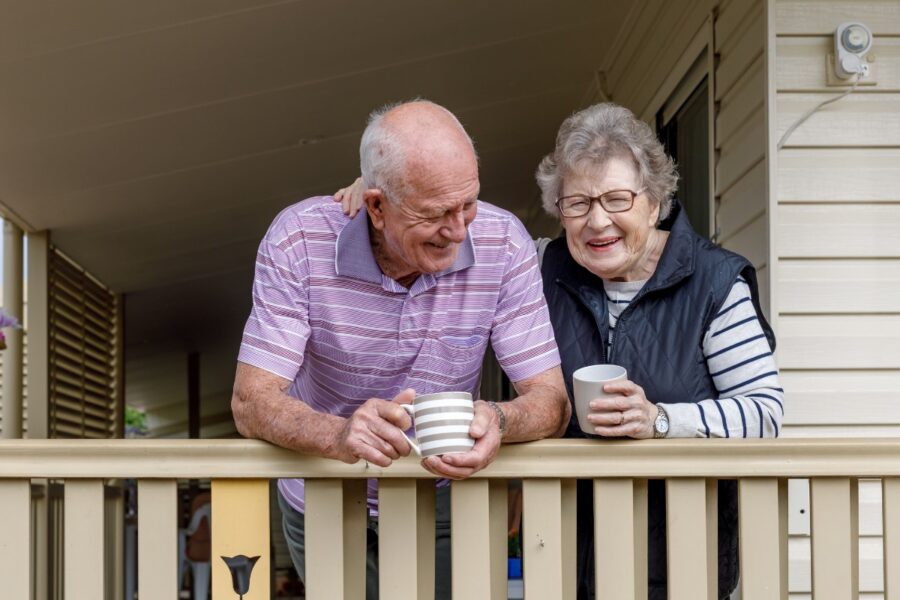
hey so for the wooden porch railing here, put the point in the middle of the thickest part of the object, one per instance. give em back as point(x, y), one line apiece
point(336, 518)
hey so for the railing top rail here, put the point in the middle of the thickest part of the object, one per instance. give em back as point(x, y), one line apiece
point(141, 459)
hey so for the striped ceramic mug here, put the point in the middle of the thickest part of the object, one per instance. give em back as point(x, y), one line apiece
point(441, 422)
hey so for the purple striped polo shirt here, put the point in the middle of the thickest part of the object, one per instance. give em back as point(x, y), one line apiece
point(325, 317)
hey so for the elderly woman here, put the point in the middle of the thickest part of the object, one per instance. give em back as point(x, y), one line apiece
point(630, 283)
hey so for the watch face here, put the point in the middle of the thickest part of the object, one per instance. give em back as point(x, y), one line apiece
point(662, 425)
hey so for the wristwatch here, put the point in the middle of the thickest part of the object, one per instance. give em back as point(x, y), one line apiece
point(661, 424)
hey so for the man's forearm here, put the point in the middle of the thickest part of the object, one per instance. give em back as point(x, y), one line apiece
point(263, 410)
point(542, 410)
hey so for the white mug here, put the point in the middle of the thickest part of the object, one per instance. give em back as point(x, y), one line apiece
point(442, 422)
point(588, 383)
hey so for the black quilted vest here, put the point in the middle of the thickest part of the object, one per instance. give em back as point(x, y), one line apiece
point(659, 340)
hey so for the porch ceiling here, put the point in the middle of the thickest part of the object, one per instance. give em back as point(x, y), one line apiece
point(156, 140)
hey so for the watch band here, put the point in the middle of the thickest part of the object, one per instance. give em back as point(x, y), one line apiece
point(501, 416)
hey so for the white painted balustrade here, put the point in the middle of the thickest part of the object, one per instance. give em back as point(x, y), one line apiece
point(336, 515)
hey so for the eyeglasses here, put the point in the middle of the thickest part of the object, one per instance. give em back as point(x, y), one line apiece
point(613, 201)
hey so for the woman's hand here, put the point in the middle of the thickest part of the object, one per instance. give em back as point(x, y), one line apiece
point(629, 414)
point(351, 198)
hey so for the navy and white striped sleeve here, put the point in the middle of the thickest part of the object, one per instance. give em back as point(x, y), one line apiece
point(750, 400)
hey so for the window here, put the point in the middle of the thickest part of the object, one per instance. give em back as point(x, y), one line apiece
point(684, 132)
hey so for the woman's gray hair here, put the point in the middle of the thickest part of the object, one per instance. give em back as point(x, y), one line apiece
point(593, 136)
point(382, 156)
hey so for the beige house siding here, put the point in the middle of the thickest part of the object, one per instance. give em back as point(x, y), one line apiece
point(664, 40)
point(740, 135)
point(836, 233)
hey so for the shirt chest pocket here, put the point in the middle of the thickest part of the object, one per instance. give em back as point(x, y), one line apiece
point(448, 364)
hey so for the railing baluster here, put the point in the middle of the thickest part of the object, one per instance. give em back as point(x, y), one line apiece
point(157, 539)
point(356, 523)
point(620, 538)
point(470, 537)
point(760, 536)
point(499, 516)
point(335, 565)
point(691, 515)
point(15, 538)
point(569, 513)
point(83, 571)
point(240, 526)
point(890, 509)
point(542, 538)
point(405, 539)
point(834, 527)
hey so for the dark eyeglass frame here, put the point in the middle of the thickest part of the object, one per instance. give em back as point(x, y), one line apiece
point(602, 198)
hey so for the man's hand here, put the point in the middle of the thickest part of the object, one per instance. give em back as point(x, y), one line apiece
point(374, 432)
point(485, 430)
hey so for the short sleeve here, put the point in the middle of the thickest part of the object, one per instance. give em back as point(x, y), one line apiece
point(277, 330)
point(522, 336)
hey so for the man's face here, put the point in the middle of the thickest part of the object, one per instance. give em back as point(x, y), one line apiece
point(423, 232)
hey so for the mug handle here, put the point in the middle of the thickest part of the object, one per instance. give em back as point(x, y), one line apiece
point(411, 411)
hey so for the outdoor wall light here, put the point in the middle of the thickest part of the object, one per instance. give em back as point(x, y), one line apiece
point(852, 40)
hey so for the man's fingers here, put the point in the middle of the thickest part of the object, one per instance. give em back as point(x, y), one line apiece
point(439, 467)
point(391, 436)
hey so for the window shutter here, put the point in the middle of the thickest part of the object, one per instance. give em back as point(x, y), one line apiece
point(83, 367)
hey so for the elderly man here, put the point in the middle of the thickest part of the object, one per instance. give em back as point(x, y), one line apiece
point(353, 317)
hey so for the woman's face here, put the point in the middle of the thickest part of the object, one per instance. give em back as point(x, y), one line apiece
point(620, 246)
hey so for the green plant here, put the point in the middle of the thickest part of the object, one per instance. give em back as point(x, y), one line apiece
point(135, 420)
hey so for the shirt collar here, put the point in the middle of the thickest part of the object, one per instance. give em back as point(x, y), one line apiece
point(354, 258)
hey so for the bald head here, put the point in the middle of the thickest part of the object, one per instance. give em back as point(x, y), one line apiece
point(407, 142)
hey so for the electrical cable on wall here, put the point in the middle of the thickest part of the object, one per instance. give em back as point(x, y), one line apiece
point(815, 109)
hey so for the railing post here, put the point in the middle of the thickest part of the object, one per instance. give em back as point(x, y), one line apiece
point(760, 538)
point(542, 539)
point(84, 525)
point(691, 517)
point(499, 519)
point(15, 538)
point(240, 526)
point(356, 524)
point(405, 539)
point(620, 538)
point(890, 507)
point(157, 539)
point(470, 538)
point(834, 525)
point(336, 520)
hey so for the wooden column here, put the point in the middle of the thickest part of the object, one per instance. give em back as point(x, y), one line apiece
point(12, 356)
